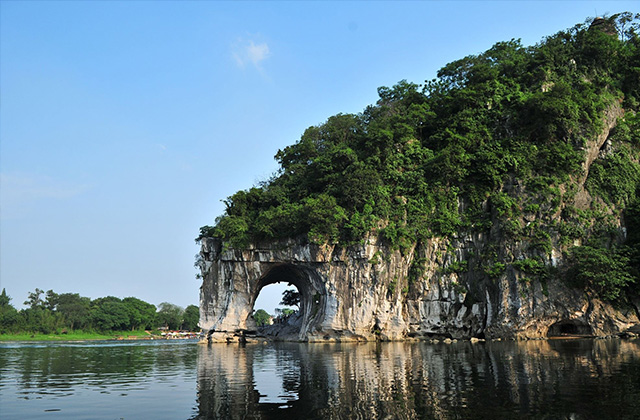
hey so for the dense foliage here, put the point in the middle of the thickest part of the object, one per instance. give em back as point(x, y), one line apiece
point(51, 312)
point(497, 139)
point(261, 317)
point(290, 297)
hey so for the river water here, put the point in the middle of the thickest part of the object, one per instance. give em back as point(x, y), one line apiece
point(555, 379)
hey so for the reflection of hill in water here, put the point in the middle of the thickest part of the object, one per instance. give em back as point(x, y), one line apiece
point(536, 379)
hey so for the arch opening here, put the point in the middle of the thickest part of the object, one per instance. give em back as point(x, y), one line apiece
point(569, 328)
point(269, 298)
point(304, 301)
point(272, 316)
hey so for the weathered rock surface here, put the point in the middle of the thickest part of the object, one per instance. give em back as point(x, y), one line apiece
point(364, 293)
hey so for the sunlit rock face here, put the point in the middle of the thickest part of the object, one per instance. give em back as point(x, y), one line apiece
point(452, 287)
point(345, 293)
point(365, 293)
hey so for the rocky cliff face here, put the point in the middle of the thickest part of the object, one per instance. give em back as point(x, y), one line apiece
point(364, 293)
point(446, 287)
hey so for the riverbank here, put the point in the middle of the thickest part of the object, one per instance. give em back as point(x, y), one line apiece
point(91, 336)
point(81, 336)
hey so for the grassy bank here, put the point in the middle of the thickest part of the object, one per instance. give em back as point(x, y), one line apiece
point(76, 335)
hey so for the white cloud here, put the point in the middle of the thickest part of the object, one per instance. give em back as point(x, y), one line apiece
point(248, 52)
point(257, 53)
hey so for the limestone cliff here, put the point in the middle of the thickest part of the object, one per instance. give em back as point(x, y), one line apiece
point(363, 293)
point(470, 200)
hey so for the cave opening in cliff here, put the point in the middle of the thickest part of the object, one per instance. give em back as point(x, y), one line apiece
point(285, 293)
point(569, 328)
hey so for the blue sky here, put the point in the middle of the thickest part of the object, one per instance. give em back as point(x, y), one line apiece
point(124, 124)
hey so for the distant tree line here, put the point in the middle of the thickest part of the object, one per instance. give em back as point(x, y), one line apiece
point(50, 312)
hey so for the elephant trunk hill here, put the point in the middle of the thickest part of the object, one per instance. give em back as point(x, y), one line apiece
point(499, 200)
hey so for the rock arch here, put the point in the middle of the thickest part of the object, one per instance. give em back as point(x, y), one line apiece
point(232, 280)
point(367, 292)
point(347, 294)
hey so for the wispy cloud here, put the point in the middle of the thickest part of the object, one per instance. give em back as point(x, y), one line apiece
point(18, 191)
point(248, 52)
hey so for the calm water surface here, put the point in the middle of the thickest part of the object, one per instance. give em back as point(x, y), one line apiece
point(557, 379)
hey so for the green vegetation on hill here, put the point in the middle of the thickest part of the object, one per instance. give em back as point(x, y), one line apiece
point(495, 144)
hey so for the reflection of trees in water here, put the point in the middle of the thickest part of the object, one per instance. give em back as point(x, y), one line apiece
point(60, 367)
point(550, 379)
